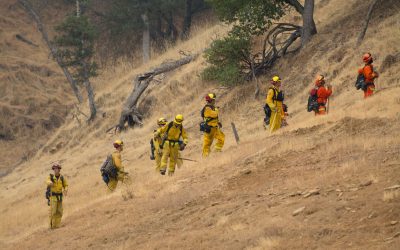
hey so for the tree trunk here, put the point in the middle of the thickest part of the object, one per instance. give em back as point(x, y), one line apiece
point(366, 22)
point(300, 9)
point(187, 22)
point(129, 111)
point(53, 50)
point(146, 38)
point(90, 92)
point(92, 105)
point(308, 29)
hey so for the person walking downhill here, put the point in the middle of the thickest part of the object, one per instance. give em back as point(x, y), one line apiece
point(211, 126)
point(369, 75)
point(57, 188)
point(171, 134)
point(156, 141)
point(274, 102)
point(117, 164)
point(322, 95)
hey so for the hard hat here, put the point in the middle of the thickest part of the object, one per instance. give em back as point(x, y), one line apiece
point(275, 79)
point(178, 119)
point(320, 78)
point(118, 143)
point(162, 121)
point(56, 165)
point(210, 97)
point(367, 57)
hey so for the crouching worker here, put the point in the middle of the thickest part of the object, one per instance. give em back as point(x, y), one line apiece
point(112, 169)
point(170, 134)
point(57, 187)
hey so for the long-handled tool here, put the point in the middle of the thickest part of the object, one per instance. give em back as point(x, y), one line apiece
point(186, 159)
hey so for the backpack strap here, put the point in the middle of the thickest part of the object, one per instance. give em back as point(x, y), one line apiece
point(275, 93)
point(170, 124)
point(207, 120)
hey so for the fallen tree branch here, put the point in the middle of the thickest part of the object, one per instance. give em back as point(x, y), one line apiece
point(366, 22)
point(130, 113)
point(28, 7)
point(23, 39)
point(276, 44)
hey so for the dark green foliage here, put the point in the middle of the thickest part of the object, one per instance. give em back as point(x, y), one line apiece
point(75, 41)
point(227, 57)
point(253, 17)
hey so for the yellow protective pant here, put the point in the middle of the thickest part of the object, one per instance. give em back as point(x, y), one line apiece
point(171, 151)
point(157, 156)
point(208, 139)
point(56, 212)
point(112, 184)
point(275, 120)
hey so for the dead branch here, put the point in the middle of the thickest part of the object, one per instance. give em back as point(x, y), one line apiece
point(130, 113)
point(25, 40)
point(276, 44)
point(366, 22)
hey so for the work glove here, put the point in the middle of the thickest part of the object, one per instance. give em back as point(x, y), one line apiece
point(152, 157)
point(219, 124)
point(182, 146)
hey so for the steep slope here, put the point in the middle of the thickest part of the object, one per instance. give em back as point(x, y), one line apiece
point(34, 95)
point(337, 167)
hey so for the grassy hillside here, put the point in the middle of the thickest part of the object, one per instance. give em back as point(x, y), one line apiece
point(337, 167)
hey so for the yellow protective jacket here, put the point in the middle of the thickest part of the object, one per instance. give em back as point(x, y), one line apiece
point(211, 115)
point(157, 137)
point(117, 161)
point(274, 103)
point(58, 184)
point(174, 133)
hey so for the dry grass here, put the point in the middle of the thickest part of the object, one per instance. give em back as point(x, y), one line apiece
point(281, 163)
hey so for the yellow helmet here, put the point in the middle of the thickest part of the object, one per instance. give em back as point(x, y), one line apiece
point(276, 79)
point(210, 97)
point(178, 119)
point(118, 143)
point(162, 121)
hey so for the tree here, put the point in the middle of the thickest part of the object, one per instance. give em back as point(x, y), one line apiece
point(76, 37)
point(255, 18)
point(35, 16)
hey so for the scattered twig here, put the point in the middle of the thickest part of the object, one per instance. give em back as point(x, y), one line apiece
point(23, 39)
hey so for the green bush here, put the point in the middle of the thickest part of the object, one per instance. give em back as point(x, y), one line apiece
point(227, 57)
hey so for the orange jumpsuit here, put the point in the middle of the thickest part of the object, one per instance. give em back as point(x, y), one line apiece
point(369, 75)
point(323, 94)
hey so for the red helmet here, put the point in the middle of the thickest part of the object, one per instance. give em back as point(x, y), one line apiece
point(367, 57)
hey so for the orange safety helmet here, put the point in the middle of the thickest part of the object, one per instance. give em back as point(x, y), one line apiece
point(367, 57)
point(320, 80)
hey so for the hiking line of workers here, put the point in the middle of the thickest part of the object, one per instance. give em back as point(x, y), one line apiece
point(169, 138)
